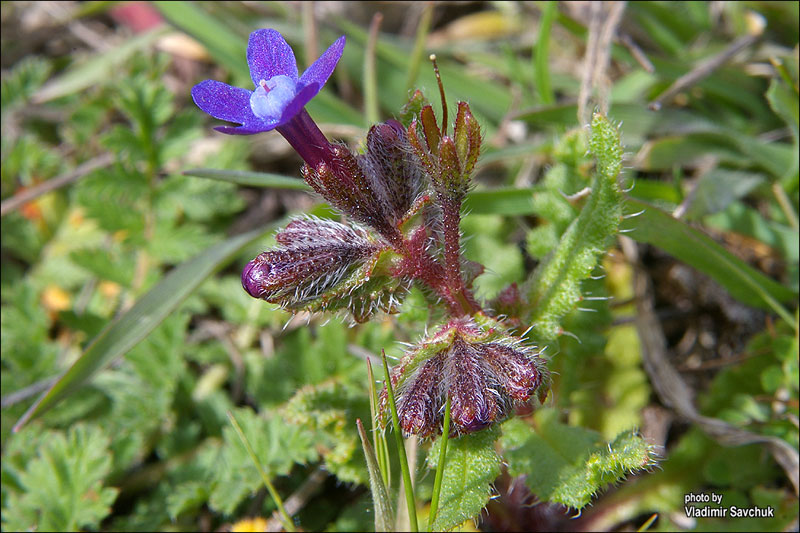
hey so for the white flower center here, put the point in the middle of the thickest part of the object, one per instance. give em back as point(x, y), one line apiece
point(272, 96)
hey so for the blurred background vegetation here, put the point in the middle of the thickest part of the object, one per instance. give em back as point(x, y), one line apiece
point(122, 264)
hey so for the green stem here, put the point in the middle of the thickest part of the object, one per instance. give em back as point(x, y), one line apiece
point(401, 450)
point(786, 205)
point(437, 483)
point(287, 520)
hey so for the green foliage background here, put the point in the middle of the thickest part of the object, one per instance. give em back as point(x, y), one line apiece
point(132, 270)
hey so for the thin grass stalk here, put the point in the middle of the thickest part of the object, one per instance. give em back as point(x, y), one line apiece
point(378, 440)
point(371, 109)
point(541, 70)
point(437, 483)
point(286, 519)
point(401, 450)
point(418, 52)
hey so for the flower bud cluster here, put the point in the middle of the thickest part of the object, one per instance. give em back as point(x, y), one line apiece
point(484, 371)
point(376, 188)
point(339, 266)
point(449, 161)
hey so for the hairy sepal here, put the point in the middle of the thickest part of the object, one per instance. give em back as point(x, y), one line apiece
point(325, 265)
point(392, 168)
point(484, 371)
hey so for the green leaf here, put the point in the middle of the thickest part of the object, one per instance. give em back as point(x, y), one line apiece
point(105, 264)
point(739, 218)
point(173, 244)
point(470, 469)
point(640, 123)
point(124, 333)
point(743, 282)
point(719, 187)
point(22, 80)
point(187, 496)
point(783, 101)
point(729, 146)
point(503, 201)
point(61, 489)
point(568, 465)
point(541, 57)
point(554, 287)
point(143, 390)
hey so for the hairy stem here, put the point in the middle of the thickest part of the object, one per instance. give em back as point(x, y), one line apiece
point(419, 265)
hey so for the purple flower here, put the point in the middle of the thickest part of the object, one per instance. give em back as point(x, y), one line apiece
point(280, 95)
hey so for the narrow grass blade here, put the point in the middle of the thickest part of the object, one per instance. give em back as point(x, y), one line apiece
point(378, 436)
point(541, 71)
point(151, 309)
point(371, 109)
point(251, 179)
point(741, 280)
point(437, 483)
point(285, 518)
point(384, 517)
point(419, 45)
point(401, 450)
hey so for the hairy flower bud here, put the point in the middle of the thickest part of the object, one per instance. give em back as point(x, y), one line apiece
point(421, 402)
point(485, 372)
point(473, 399)
point(392, 168)
point(467, 133)
point(342, 182)
point(314, 255)
point(322, 264)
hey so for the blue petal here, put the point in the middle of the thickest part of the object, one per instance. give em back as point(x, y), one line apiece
point(323, 67)
point(224, 101)
point(269, 55)
point(297, 104)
